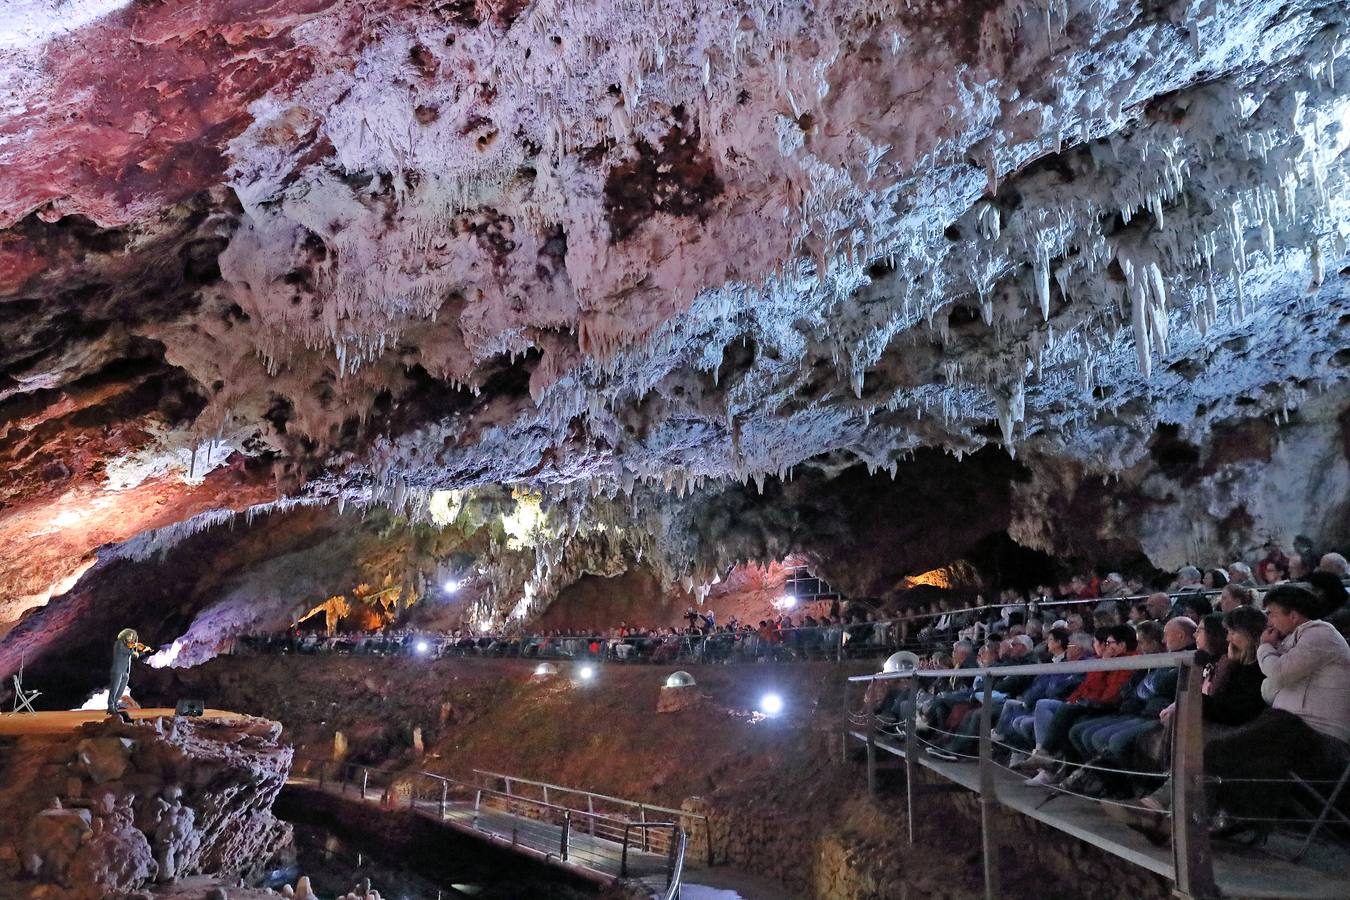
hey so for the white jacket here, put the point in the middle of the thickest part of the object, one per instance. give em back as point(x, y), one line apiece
point(1308, 674)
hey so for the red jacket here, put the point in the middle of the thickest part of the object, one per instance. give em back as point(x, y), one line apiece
point(1102, 687)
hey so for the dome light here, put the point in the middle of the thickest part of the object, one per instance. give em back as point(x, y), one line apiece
point(679, 680)
point(771, 704)
point(422, 647)
point(450, 586)
point(586, 673)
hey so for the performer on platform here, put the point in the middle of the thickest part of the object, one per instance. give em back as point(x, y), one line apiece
point(127, 647)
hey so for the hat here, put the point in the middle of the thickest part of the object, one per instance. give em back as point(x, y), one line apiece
point(1025, 641)
point(1060, 623)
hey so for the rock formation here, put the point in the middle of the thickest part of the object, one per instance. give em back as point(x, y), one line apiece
point(117, 807)
point(594, 266)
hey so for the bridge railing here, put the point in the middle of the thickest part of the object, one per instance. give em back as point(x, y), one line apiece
point(696, 825)
point(538, 827)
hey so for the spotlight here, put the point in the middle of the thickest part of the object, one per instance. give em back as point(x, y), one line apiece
point(771, 704)
point(450, 586)
point(586, 673)
point(422, 647)
point(545, 669)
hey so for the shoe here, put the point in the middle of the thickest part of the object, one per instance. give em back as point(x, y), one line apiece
point(1152, 825)
point(1038, 759)
point(1043, 778)
point(941, 754)
point(1017, 760)
point(997, 737)
point(1152, 804)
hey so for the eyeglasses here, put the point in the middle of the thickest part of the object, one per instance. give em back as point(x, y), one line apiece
point(1110, 641)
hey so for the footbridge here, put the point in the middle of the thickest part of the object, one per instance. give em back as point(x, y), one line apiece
point(596, 836)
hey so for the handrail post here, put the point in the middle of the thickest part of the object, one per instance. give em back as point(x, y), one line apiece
point(871, 767)
point(623, 856)
point(988, 797)
point(1191, 856)
point(365, 778)
point(911, 748)
point(566, 831)
point(707, 837)
point(642, 814)
point(477, 802)
point(590, 809)
point(445, 789)
point(546, 793)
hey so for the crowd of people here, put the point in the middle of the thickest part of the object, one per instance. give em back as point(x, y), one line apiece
point(834, 629)
point(1275, 694)
point(830, 634)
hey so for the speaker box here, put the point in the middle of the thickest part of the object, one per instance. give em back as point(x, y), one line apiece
point(189, 708)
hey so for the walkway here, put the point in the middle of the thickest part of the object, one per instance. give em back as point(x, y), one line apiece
point(1248, 872)
point(596, 858)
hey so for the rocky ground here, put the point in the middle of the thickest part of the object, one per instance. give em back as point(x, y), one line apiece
point(118, 807)
point(781, 802)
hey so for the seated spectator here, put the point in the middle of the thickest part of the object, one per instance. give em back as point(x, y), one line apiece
point(1332, 590)
point(1099, 693)
point(1159, 606)
point(1240, 573)
point(1108, 740)
point(1196, 606)
point(1077, 624)
point(1272, 571)
point(1232, 698)
point(1336, 564)
point(1150, 637)
point(1189, 579)
point(1139, 613)
point(1015, 721)
point(1235, 595)
point(1215, 579)
point(1307, 667)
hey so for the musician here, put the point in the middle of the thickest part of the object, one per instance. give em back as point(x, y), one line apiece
point(127, 647)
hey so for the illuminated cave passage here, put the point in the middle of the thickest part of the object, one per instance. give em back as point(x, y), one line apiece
point(583, 391)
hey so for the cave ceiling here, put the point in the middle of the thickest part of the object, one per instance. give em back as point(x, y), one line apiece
point(625, 253)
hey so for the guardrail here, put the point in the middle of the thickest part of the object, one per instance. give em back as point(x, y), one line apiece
point(692, 821)
point(1192, 861)
point(537, 827)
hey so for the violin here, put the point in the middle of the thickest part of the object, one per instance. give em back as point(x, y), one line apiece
point(139, 647)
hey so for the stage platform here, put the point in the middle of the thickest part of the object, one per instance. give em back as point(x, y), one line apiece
point(63, 721)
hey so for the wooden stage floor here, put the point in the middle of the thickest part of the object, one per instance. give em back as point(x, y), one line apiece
point(63, 721)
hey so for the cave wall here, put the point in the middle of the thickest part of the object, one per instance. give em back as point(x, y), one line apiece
point(1206, 498)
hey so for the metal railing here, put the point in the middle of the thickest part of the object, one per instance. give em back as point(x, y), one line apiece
point(834, 642)
point(545, 830)
point(692, 822)
point(1192, 866)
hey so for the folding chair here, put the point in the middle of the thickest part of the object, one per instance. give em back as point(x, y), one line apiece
point(23, 700)
point(1327, 803)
